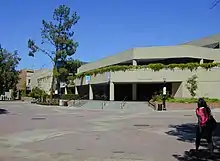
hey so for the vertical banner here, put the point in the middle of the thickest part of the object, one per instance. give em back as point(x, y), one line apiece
point(88, 79)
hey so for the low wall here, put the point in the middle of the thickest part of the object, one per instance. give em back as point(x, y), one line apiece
point(181, 106)
point(27, 99)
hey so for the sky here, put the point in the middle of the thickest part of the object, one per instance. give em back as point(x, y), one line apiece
point(107, 27)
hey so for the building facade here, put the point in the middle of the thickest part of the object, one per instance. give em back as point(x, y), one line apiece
point(140, 84)
point(24, 81)
point(42, 78)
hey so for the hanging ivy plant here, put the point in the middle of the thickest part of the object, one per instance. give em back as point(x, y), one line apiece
point(153, 67)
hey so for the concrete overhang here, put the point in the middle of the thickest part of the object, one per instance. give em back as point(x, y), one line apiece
point(162, 52)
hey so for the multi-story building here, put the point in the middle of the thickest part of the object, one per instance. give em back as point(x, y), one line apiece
point(140, 84)
point(25, 79)
point(42, 79)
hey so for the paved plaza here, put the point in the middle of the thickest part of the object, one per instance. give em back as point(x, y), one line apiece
point(37, 133)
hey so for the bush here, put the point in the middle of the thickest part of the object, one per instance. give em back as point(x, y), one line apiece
point(191, 85)
point(38, 93)
point(184, 100)
point(70, 96)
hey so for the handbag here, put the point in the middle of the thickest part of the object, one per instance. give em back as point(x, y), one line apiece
point(212, 122)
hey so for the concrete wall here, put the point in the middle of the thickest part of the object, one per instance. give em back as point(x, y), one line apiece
point(162, 52)
point(208, 81)
point(100, 78)
point(42, 78)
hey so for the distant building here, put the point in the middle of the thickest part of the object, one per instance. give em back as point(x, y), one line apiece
point(25, 80)
point(42, 78)
point(140, 84)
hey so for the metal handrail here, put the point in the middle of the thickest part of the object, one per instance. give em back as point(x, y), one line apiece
point(104, 102)
point(123, 103)
point(79, 99)
point(152, 105)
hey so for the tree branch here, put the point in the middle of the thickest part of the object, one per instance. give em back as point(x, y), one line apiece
point(47, 53)
point(214, 4)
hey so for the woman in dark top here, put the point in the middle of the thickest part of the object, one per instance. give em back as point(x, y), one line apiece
point(206, 124)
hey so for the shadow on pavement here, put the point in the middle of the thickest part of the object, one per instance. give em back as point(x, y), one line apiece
point(187, 133)
point(201, 155)
point(3, 111)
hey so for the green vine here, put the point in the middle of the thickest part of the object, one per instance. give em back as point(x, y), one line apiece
point(153, 67)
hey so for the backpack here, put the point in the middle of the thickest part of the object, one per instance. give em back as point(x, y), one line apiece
point(202, 115)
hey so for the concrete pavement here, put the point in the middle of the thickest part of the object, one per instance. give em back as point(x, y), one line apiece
point(32, 132)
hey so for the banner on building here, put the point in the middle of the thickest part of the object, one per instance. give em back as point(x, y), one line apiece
point(88, 78)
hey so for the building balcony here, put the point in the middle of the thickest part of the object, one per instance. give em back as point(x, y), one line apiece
point(147, 75)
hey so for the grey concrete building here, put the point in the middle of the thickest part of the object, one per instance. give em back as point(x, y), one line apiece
point(141, 84)
point(42, 78)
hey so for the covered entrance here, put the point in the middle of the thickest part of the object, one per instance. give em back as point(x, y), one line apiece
point(100, 91)
point(145, 91)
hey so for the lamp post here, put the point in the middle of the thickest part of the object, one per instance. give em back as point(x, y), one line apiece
point(164, 93)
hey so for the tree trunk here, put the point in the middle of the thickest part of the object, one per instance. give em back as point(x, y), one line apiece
point(52, 85)
point(51, 89)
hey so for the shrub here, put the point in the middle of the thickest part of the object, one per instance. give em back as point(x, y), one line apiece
point(70, 96)
point(38, 93)
point(184, 100)
point(191, 85)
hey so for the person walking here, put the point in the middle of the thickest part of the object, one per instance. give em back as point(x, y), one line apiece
point(206, 124)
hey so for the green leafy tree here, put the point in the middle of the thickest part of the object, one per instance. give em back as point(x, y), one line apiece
point(71, 69)
point(73, 64)
point(9, 76)
point(191, 85)
point(38, 93)
point(59, 34)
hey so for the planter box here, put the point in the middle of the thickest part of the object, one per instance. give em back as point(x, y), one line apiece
point(214, 105)
point(182, 106)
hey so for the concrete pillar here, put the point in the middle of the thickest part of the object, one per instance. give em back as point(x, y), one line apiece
point(111, 92)
point(76, 90)
point(65, 90)
point(134, 92)
point(134, 62)
point(201, 61)
point(90, 92)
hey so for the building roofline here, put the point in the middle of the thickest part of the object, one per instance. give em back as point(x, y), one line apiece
point(204, 40)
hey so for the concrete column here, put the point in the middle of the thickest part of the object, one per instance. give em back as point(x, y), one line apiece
point(111, 92)
point(65, 90)
point(134, 92)
point(90, 92)
point(76, 90)
point(134, 62)
point(201, 61)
